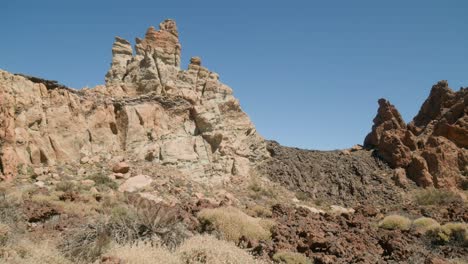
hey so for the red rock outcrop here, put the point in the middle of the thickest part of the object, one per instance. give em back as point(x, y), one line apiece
point(433, 147)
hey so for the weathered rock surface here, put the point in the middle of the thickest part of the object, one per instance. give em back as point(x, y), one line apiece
point(433, 147)
point(149, 110)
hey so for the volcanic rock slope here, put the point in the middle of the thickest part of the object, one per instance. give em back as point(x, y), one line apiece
point(149, 109)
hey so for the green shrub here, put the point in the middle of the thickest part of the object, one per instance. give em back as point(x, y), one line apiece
point(433, 196)
point(103, 182)
point(424, 223)
point(393, 222)
point(287, 257)
point(233, 224)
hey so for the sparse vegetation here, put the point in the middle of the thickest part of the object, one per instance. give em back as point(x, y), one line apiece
point(103, 182)
point(393, 222)
point(232, 224)
point(29, 252)
point(142, 253)
point(4, 234)
point(450, 232)
point(259, 211)
point(257, 189)
point(433, 196)
point(66, 186)
point(207, 249)
point(287, 257)
point(422, 224)
point(86, 243)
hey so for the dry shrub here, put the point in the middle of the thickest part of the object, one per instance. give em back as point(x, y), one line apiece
point(158, 221)
point(4, 234)
point(432, 196)
point(103, 182)
point(86, 243)
point(456, 233)
point(258, 189)
point(393, 222)
point(66, 186)
point(422, 224)
point(142, 253)
point(9, 213)
point(233, 224)
point(204, 249)
point(259, 211)
point(287, 257)
point(28, 252)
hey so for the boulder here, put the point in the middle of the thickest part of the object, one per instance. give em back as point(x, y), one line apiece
point(135, 183)
point(121, 167)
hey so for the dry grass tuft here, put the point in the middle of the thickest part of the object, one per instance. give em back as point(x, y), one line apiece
point(393, 222)
point(28, 252)
point(143, 253)
point(233, 224)
point(432, 196)
point(424, 223)
point(205, 249)
point(287, 257)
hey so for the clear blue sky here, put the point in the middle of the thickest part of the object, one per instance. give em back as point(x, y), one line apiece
point(308, 73)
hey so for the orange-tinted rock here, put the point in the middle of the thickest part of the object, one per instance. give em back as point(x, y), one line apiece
point(432, 148)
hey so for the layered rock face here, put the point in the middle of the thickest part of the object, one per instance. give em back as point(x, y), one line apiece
point(149, 110)
point(433, 147)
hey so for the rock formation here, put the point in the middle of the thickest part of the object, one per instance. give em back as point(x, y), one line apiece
point(433, 147)
point(149, 110)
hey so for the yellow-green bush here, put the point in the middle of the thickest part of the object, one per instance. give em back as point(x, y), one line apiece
point(432, 196)
point(287, 257)
point(450, 232)
point(393, 222)
point(233, 224)
point(422, 224)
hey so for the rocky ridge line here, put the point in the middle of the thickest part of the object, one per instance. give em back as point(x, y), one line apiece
point(149, 109)
point(432, 149)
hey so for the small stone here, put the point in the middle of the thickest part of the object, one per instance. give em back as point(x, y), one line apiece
point(84, 160)
point(42, 177)
point(336, 209)
point(195, 61)
point(38, 171)
point(120, 176)
point(121, 167)
point(40, 184)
